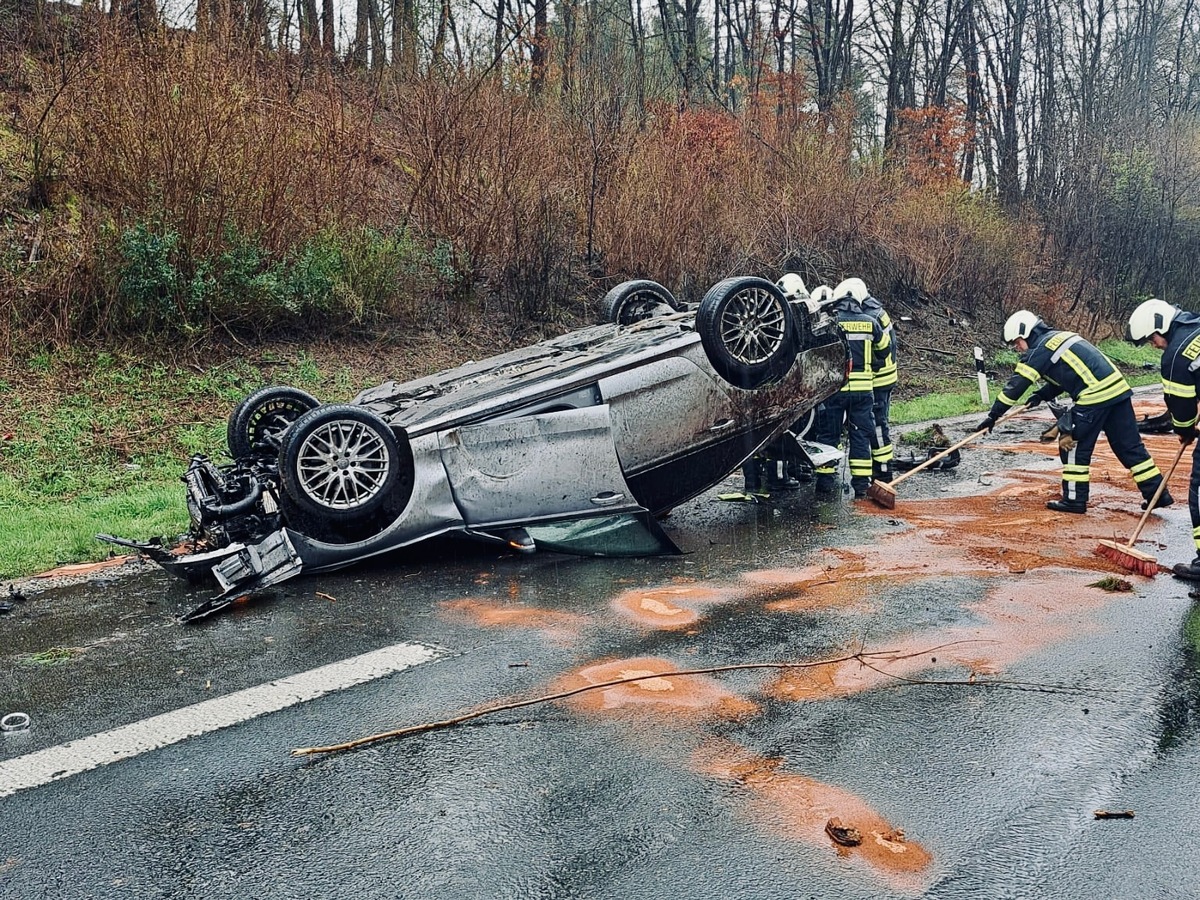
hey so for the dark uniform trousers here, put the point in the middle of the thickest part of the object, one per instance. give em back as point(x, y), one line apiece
point(851, 410)
point(882, 450)
point(1119, 424)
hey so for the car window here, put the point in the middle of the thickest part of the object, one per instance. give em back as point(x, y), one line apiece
point(628, 534)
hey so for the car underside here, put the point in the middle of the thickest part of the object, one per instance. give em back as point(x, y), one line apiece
point(577, 443)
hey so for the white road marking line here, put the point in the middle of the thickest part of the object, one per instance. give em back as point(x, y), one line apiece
point(73, 757)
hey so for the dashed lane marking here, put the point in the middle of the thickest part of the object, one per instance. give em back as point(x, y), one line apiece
point(73, 757)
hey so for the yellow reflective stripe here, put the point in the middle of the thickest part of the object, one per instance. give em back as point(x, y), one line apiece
point(1076, 478)
point(1143, 466)
point(1006, 400)
point(849, 327)
point(1179, 423)
point(1101, 391)
point(1175, 389)
point(882, 454)
point(858, 467)
point(826, 470)
point(1139, 477)
point(1028, 372)
point(884, 378)
point(857, 387)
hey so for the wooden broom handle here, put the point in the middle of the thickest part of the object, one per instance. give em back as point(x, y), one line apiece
point(970, 437)
point(1162, 486)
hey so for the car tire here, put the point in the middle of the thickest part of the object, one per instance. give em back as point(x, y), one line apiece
point(748, 330)
point(257, 423)
point(340, 463)
point(633, 301)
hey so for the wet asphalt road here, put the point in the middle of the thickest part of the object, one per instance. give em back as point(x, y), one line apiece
point(704, 787)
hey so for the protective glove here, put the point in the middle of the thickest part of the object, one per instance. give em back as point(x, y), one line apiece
point(986, 425)
point(1034, 399)
point(1187, 434)
point(1066, 443)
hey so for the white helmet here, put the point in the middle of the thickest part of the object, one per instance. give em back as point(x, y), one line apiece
point(1151, 317)
point(822, 295)
point(855, 287)
point(792, 286)
point(1019, 325)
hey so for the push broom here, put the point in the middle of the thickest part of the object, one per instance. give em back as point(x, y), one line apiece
point(1124, 555)
point(884, 493)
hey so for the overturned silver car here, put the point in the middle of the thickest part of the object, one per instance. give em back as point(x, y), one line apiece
point(574, 444)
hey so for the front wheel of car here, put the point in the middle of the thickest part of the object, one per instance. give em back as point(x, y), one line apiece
point(633, 301)
point(340, 462)
point(748, 331)
point(257, 423)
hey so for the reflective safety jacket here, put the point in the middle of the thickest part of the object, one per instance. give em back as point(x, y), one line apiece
point(1067, 363)
point(1181, 368)
point(884, 372)
point(863, 334)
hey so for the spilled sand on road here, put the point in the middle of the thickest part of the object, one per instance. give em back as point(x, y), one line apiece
point(664, 693)
point(1012, 621)
point(670, 606)
point(494, 614)
point(798, 807)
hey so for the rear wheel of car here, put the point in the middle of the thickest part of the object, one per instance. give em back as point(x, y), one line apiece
point(748, 331)
point(258, 423)
point(633, 301)
point(340, 462)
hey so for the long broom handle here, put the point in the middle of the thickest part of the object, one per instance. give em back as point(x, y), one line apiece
point(970, 437)
point(1162, 486)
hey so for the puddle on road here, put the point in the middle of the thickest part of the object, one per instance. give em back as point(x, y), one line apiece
point(799, 807)
point(672, 695)
point(493, 614)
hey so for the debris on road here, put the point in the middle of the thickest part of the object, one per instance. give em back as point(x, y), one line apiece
point(1112, 584)
point(846, 835)
point(15, 721)
point(1114, 814)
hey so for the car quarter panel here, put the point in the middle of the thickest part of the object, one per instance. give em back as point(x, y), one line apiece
point(662, 409)
point(536, 468)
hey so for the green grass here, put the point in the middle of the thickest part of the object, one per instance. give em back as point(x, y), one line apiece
point(95, 442)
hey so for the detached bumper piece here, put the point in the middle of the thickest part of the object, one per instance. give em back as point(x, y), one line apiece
point(245, 568)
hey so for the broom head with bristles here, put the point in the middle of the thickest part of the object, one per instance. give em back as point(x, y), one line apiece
point(883, 494)
point(1128, 558)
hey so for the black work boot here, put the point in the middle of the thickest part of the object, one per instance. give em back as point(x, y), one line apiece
point(860, 486)
point(1164, 500)
point(1190, 571)
point(1068, 506)
point(826, 489)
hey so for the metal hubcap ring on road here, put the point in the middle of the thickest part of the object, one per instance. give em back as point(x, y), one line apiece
point(343, 464)
point(753, 326)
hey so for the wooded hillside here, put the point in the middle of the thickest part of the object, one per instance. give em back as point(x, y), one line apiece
point(250, 168)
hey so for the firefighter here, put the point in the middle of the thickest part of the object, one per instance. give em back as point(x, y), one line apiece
point(1176, 332)
point(1103, 403)
point(851, 406)
point(883, 379)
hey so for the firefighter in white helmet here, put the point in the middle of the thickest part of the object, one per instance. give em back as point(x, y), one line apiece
point(851, 407)
point(1103, 403)
point(1176, 332)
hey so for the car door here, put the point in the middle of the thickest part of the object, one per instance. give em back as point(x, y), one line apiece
point(552, 465)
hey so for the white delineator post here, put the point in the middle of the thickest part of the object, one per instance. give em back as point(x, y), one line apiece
point(984, 397)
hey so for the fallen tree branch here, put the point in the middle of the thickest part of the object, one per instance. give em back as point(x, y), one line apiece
point(862, 656)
